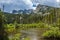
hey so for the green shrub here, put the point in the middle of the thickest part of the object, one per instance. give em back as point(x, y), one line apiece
point(34, 25)
point(53, 32)
point(27, 38)
point(10, 28)
point(15, 37)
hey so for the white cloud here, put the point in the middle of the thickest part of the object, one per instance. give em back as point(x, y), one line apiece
point(28, 3)
point(17, 2)
point(34, 8)
point(58, 0)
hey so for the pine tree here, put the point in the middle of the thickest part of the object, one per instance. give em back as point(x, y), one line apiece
point(3, 33)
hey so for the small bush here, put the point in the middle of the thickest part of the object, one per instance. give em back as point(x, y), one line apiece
point(15, 37)
point(54, 32)
point(10, 28)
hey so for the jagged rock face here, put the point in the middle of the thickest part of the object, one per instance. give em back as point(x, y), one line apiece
point(41, 8)
point(23, 11)
point(14, 11)
point(49, 13)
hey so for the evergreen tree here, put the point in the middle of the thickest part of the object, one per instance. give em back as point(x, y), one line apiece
point(3, 34)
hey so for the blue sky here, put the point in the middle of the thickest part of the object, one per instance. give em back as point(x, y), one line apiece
point(26, 4)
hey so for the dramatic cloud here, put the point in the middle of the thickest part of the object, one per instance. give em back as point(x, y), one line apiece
point(26, 4)
point(54, 3)
point(57, 0)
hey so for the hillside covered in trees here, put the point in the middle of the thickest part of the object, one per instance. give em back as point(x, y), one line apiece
point(42, 13)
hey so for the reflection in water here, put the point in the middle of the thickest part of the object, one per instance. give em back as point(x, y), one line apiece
point(32, 34)
point(33, 37)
